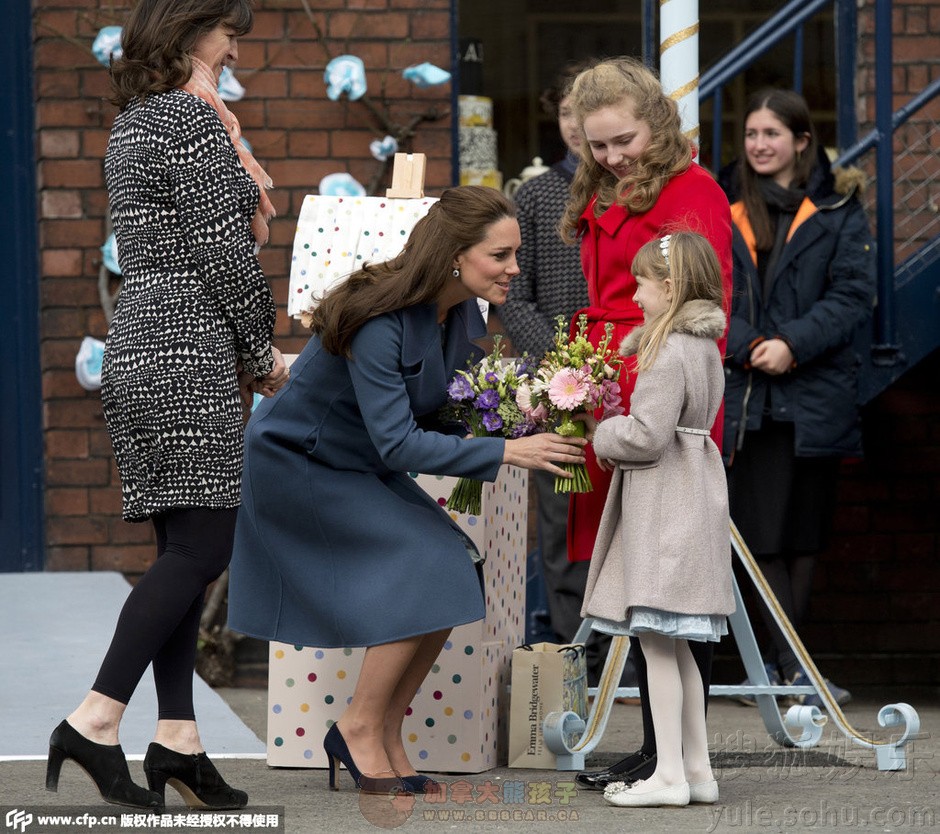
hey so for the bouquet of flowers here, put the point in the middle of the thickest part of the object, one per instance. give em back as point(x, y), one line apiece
point(484, 399)
point(575, 376)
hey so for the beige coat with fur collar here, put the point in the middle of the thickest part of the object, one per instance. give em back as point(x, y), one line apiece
point(663, 540)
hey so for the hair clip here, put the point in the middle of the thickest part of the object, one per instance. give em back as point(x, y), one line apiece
point(664, 248)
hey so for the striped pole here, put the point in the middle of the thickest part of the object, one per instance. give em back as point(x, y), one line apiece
point(678, 60)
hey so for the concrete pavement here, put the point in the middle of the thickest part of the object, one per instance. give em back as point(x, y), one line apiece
point(763, 787)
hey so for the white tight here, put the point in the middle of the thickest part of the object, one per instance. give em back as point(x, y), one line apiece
point(677, 702)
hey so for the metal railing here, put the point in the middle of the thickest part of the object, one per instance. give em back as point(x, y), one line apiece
point(904, 174)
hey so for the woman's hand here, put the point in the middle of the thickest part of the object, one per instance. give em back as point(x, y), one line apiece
point(772, 356)
point(545, 451)
point(275, 379)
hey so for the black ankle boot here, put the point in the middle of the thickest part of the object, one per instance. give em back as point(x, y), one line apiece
point(104, 763)
point(194, 777)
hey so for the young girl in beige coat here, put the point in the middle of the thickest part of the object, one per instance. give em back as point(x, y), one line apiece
point(661, 567)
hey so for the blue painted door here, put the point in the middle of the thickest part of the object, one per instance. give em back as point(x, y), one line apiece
point(21, 466)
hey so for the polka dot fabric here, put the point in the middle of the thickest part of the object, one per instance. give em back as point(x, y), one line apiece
point(336, 235)
point(454, 723)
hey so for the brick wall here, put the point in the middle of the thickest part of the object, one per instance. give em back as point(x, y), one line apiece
point(298, 135)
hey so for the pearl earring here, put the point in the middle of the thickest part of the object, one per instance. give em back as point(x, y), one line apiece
point(456, 272)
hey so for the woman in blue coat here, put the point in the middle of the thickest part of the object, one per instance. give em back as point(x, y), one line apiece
point(804, 281)
point(336, 545)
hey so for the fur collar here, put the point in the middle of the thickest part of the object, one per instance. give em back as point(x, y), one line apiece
point(696, 318)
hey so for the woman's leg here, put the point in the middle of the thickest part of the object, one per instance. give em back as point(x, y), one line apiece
point(363, 723)
point(159, 623)
point(696, 764)
point(414, 675)
point(665, 701)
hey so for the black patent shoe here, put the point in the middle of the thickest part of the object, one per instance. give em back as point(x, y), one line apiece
point(193, 776)
point(629, 769)
point(104, 763)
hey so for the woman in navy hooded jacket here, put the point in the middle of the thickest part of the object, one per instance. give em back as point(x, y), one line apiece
point(804, 281)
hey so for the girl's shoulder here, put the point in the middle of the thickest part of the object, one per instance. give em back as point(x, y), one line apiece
point(698, 318)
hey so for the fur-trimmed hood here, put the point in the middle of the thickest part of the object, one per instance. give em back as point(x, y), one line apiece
point(696, 318)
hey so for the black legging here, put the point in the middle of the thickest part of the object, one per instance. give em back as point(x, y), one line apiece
point(702, 653)
point(159, 622)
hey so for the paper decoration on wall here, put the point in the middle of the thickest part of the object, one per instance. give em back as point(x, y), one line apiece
point(345, 74)
point(425, 75)
point(229, 87)
point(340, 185)
point(109, 254)
point(88, 363)
point(383, 149)
point(107, 44)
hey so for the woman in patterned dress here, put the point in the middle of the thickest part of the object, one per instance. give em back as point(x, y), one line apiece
point(190, 341)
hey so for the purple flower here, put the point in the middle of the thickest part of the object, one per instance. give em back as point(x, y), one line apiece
point(488, 399)
point(460, 389)
point(491, 378)
point(523, 429)
point(492, 421)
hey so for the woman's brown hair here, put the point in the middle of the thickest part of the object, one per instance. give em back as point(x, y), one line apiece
point(793, 112)
point(158, 40)
point(455, 223)
point(612, 83)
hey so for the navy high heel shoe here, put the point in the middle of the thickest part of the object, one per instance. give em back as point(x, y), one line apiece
point(194, 777)
point(104, 763)
point(419, 783)
point(334, 745)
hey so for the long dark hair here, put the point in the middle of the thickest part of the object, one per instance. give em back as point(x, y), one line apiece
point(455, 223)
point(158, 40)
point(793, 111)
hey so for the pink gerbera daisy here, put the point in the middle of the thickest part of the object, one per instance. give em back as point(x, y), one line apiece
point(567, 389)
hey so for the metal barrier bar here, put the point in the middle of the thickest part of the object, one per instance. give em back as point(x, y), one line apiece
point(810, 721)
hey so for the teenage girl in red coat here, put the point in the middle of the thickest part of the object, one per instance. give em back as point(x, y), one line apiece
point(636, 182)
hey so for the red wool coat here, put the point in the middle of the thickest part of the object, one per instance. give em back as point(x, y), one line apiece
point(690, 201)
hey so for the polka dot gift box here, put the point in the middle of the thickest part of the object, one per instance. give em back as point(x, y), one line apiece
point(336, 235)
point(459, 719)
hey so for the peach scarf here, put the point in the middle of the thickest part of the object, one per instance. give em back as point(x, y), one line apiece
point(203, 83)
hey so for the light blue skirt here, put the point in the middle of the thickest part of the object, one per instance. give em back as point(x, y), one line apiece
point(700, 627)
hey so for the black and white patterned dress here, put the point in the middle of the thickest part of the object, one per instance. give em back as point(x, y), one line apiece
point(193, 300)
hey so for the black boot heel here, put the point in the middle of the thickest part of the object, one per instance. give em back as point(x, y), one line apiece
point(193, 776)
point(54, 768)
point(104, 763)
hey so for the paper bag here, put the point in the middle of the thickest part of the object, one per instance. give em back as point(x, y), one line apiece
point(545, 677)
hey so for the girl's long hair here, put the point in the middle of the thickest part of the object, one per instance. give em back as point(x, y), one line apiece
point(158, 39)
point(792, 110)
point(625, 82)
point(455, 223)
point(694, 273)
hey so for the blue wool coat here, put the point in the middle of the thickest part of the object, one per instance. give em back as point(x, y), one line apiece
point(821, 291)
point(336, 545)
